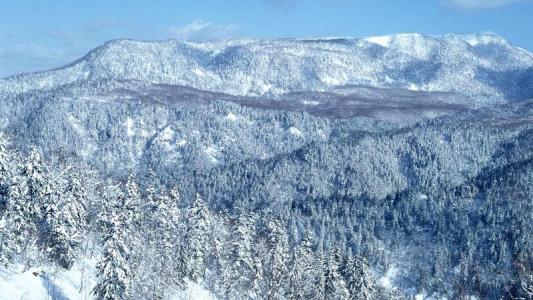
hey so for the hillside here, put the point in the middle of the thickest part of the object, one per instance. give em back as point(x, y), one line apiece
point(386, 167)
point(484, 66)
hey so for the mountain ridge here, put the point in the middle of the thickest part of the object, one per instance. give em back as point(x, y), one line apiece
point(480, 66)
point(391, 173)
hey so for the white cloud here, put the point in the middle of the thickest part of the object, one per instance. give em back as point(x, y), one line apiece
point(478, 4)
point(203, 30)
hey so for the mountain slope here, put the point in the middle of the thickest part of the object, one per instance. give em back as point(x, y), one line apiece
point(484, 66)
point(414, 152)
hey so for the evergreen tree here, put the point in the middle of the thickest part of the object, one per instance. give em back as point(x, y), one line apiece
point(44, 191)
point(113, 270)
point(243, 267)
point(334, 287)
point(219, 254)
point(78, 185)
point(23, 209)
point(175, 238)
point(39, 187)
point(359, 279)
point(132, 204)
point(7, 164)
point(301, 272)
point(319, 266)
point(6, 173)
point(164, 240)
point(196, 238)
point(277, 263)
point(68, 224)
point(18, 230)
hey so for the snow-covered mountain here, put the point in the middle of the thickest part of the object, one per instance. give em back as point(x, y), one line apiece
point(412, 153)
point(482, 66)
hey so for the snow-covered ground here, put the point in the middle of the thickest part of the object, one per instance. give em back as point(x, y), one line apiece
point(38, 283)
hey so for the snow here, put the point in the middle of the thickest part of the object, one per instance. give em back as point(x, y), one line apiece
point(413, 87)
point(76, 124)
point(420, 296)
point(88, 148)
point(435, 296)
point(140, 129)
point(48, 282)
point(198, 72)
point(264, 87)
point(322, 135)
point(181, 142)
point(259, 67)
point(295, 131)
point(193, 291)
point(231, 116)
point(333, 80)
point(310, 102)
point(387, 279)
point(212, 152)
point(18, 285)
point(129, 127)
point(383, 41)
point(484, 38)
point(167, 134)
point(77, 283)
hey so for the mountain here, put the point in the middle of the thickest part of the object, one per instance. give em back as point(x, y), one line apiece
point(484, 67)
point(413, 152)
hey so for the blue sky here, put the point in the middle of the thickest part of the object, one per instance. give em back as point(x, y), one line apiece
point(37, 35)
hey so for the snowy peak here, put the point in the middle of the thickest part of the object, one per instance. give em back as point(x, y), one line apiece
point(485, 38)
point(480, 66)
point(409, 40)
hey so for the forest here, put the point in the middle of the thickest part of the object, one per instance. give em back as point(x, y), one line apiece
point(453, 216)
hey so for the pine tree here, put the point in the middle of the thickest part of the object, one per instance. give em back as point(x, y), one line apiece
point(164, 239)
point(178, 216)
point(150, 208)
point(19, 230)
point(68, 224)
point(257, 277)
point(243, 267)
point(334, 287)
point(77, 204)
point(318, 290)
point(181, 265)
point(34, 171)
point(132, 204)
point(134, 240)
point(23, 208)
point(44, 194)
point(359, 279)
point(113, 270)
point(6, 171)
point(196, 238)
point(277, 263)
point(218, 260)
point(301, 272)
point(179, 258)
point(168, 232)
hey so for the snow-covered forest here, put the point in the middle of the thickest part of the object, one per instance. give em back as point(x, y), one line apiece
point(149, 242)
point(182, 170)
point(144, 240)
